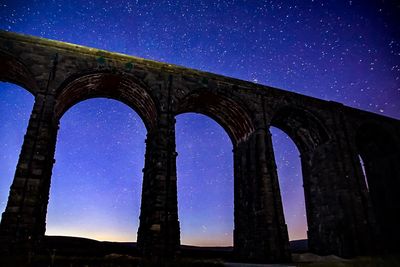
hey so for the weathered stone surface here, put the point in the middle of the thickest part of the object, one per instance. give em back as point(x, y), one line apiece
point(345, 216)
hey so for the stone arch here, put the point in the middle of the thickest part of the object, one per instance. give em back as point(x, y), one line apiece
point(16, 104)
point(121, 87)
point(380, 152)
point(36, 153)
point(208, 170)
point(311, 138)
point(14, 71)
point(229, 113)
point(121, 155)
point(303, 127)
point(288, 170)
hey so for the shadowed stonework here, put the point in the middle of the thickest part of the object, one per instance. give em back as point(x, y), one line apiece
point(344, 217)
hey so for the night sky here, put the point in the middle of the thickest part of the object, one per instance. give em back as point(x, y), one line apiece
point(345, 51)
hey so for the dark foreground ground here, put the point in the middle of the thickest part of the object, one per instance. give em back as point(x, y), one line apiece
point(81, 252)
point(67, 246)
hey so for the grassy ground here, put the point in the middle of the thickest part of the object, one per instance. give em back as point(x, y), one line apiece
point(121, 261)
point(386, 261)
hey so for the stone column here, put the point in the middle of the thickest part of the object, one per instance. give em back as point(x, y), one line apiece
point(381, 156)
point(364, 239)
point(328, 228)
point(158, 235)
point(260, 231)
point(23, 222)
point(338, 220)
point(383, 174)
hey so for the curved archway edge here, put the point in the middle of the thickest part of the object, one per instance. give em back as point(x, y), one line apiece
point(108, 85)
point(230, 114)
point(304, 128)
point(14, 71)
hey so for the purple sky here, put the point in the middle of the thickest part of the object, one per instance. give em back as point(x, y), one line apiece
point(345, 51)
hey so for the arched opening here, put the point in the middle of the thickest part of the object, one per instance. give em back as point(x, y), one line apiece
point(97, 178)
point(287, 158)
point(380, 153)
point(300, 133)
point(16, 105)
point(122, 87)
point(230, 114)
point(236, 122)
point(205, 181)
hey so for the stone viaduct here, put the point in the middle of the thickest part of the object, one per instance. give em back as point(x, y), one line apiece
point(347, 213)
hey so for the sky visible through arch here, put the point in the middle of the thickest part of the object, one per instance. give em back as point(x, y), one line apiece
point(344, 51)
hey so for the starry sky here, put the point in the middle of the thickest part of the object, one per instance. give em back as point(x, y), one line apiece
point(345, 51)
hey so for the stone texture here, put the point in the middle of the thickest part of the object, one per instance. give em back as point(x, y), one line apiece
point(345, 216)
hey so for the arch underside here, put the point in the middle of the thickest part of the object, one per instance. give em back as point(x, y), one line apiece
point(13, 71)
point(302, 127)
point(108, 85)
point(235, 120)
